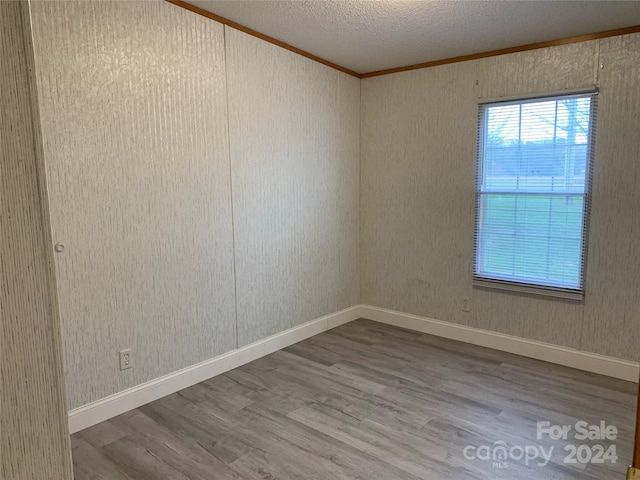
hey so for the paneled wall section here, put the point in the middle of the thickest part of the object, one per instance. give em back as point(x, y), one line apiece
point(203, 182)
point(611, 311)
point(133, 100)
point(293, 127)
point(34, 440)
point(417, 194)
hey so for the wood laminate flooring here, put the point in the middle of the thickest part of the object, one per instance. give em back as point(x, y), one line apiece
point(364, 401)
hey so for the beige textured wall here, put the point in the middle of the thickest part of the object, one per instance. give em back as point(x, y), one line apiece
point(293, 127)
point(136, 134)
point(611, 307)
point(417, 194)
point(133, 103)
point(34, 440)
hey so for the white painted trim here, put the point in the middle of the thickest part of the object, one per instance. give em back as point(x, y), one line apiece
point(569, 357)
point(121, 402)
point(109, 407)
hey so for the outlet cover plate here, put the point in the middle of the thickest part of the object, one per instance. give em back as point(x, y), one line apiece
point(125, 359)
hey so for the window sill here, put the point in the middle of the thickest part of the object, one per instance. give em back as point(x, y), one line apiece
point(530, 289)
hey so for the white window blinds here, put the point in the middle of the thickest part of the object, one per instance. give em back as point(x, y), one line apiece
point(534, 164)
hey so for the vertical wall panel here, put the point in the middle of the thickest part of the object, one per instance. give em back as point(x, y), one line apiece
point(417, 190)
point(613, 281)
point(348, 208)
point(289, 163)
point(34, 440)
point(133, 101)
point(418, 172)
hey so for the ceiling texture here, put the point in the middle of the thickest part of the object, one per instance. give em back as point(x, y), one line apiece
point(371, 35)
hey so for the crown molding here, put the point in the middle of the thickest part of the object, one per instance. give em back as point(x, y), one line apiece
point(266, 38)
point(463, 58)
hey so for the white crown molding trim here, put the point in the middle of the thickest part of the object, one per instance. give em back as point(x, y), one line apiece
point(121, 402)
point(568, 357)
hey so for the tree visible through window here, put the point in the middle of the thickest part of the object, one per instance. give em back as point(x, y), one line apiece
point(534, 159)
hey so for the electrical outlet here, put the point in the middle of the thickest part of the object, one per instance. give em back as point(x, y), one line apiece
point(466, 304)
point(125, 359)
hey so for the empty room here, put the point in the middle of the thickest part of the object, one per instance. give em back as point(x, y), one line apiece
point(320, 240)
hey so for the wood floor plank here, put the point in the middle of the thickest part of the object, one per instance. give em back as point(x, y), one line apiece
point(101, 434)
point(296, 366)
point(139, 462)
point(90, 463)
point(265, 466)
point(224, 399)
point(365, 401)
point(175, 449)
point(202, 424)
point(323, 448)
point(351, 431)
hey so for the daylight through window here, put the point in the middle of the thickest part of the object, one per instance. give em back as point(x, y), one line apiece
point(534, 159)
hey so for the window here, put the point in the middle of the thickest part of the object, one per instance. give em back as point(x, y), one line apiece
point(532, 195)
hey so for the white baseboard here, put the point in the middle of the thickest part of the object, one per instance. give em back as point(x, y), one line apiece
point(569, 357)
point(109, 407)
point(113, 405)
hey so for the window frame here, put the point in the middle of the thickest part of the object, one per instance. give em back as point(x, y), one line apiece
point(479, 280)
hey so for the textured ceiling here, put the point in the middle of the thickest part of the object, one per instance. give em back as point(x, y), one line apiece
point(370, 35)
